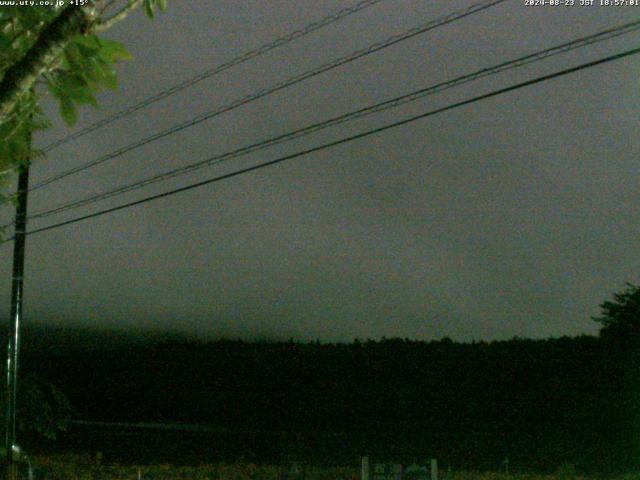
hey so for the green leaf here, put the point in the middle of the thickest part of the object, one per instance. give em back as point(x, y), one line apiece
point(88, 41)
point(73, 56)
point(82, 95)
point(68, 111)
point(87, 51)
point(71, 88)
point(53, 87)
point(162, 5)
point(112, 51)
point(148, 8)
point(69, 81)
point(92, 73)
point(109, 77)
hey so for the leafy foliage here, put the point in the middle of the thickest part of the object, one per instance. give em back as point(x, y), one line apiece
point(85, 66)
point(77, 466)
point(43, 409)
point(621, 317)
point(149, 6)
point(19, 28)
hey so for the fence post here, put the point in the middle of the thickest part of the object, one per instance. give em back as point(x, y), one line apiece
point(434, 469)
point(365, 469)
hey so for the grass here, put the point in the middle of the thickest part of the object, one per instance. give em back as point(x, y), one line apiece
point(65, 467)
point(79, 467)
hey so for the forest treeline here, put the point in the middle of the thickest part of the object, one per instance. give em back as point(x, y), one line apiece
point(539, 403)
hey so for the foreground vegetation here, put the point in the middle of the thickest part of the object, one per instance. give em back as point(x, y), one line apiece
point(540, 403)
point(85, 468)
point(537, 403)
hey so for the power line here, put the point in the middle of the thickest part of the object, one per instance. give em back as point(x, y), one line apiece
point(457, 15)
point(371, 109)
point(279, 42)
point(342, 140)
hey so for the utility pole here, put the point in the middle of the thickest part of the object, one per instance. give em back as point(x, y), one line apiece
point(13, 347)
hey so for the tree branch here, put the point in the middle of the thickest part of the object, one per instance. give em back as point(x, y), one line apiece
point(21, 76)
point(118, 17)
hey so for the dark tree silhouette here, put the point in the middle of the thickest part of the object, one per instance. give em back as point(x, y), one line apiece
point(620, 339)
point(620, 318)
point(43, 409)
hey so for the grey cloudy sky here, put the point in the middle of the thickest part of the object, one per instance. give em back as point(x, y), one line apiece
point(517, 215)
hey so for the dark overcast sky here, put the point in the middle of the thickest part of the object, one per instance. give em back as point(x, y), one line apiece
point(517, 215)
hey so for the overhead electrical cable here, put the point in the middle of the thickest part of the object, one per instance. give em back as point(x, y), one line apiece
point(452, 17)
point(279, 42)
point(341, 141)
point(371, 109)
